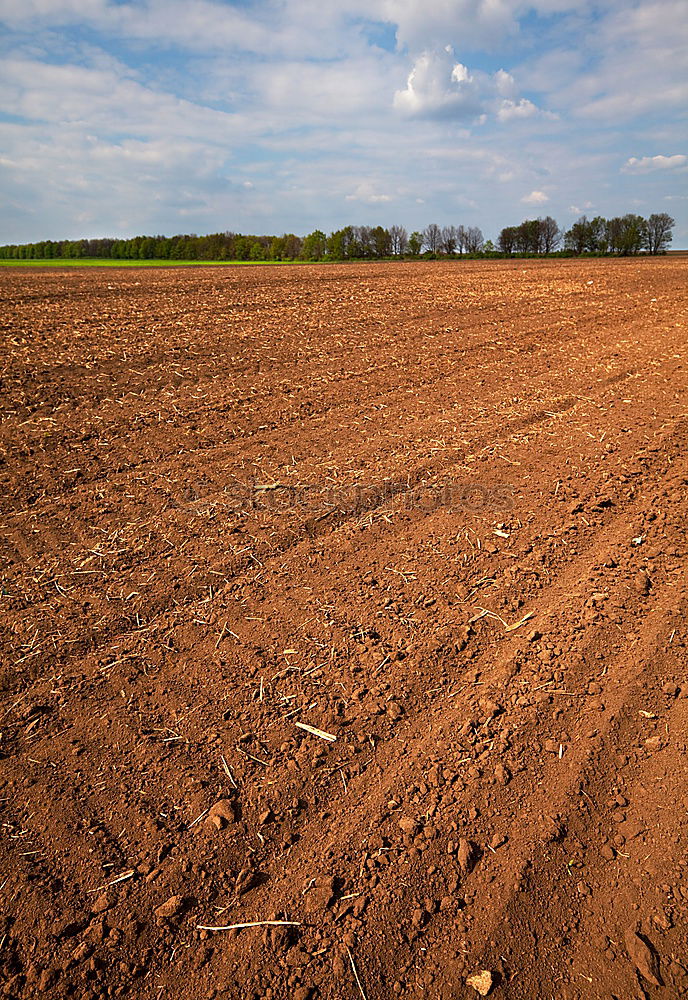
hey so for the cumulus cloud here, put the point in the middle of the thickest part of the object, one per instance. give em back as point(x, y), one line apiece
point(535, 198)
point(439, 87)
point(648, 164)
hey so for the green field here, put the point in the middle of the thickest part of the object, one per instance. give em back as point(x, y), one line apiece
point(107, 262)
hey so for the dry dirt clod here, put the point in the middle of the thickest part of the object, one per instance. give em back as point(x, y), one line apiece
point(302, 993)
point(172, 907)
point(482, 982)
point(101, 904)
point(409, 826)
point(466, 855)
point(221, 814)
point(502, 774)
point(643, 955)
point(320, 895)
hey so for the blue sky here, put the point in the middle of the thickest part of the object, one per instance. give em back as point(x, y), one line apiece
point(165, 116)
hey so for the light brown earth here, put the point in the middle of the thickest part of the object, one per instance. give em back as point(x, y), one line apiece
point(436, 511)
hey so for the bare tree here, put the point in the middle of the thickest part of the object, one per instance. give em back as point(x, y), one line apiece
point(460, 238)
point(432, 237)
point(658, 232)
point(449, 239)
point(399, 240)
point(474, 239)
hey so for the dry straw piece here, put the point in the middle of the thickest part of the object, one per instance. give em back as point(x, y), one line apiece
point(316, 732)
point(255, 923)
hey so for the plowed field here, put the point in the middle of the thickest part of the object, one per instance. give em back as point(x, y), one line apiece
point(351, 597)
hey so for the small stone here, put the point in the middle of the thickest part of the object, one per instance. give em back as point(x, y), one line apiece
point(394, 711)
point(221, 814)
point(466, 855)
point(101, 904)
point(502, 774)
point(481, 982)
point(408, 826)
point(642, 955)
point(490, 708)
point(320, 896)
point(663, 920)
point(172, 907)
point(655, 743)
point(302, 993)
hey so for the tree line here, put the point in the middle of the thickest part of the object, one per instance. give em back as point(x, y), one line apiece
point(623, 235)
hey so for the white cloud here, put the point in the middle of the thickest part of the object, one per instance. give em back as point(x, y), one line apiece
point(324, 90)
point(289, 26)
point(505, 83)
point(366, 192)
point(108, 101)
point(440, 87)
point(535, 198)
point(638, 62)
point(471, 23)
point(648, 164)
point(510, 110)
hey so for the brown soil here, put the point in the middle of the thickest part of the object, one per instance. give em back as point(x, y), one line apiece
point(437, 512)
